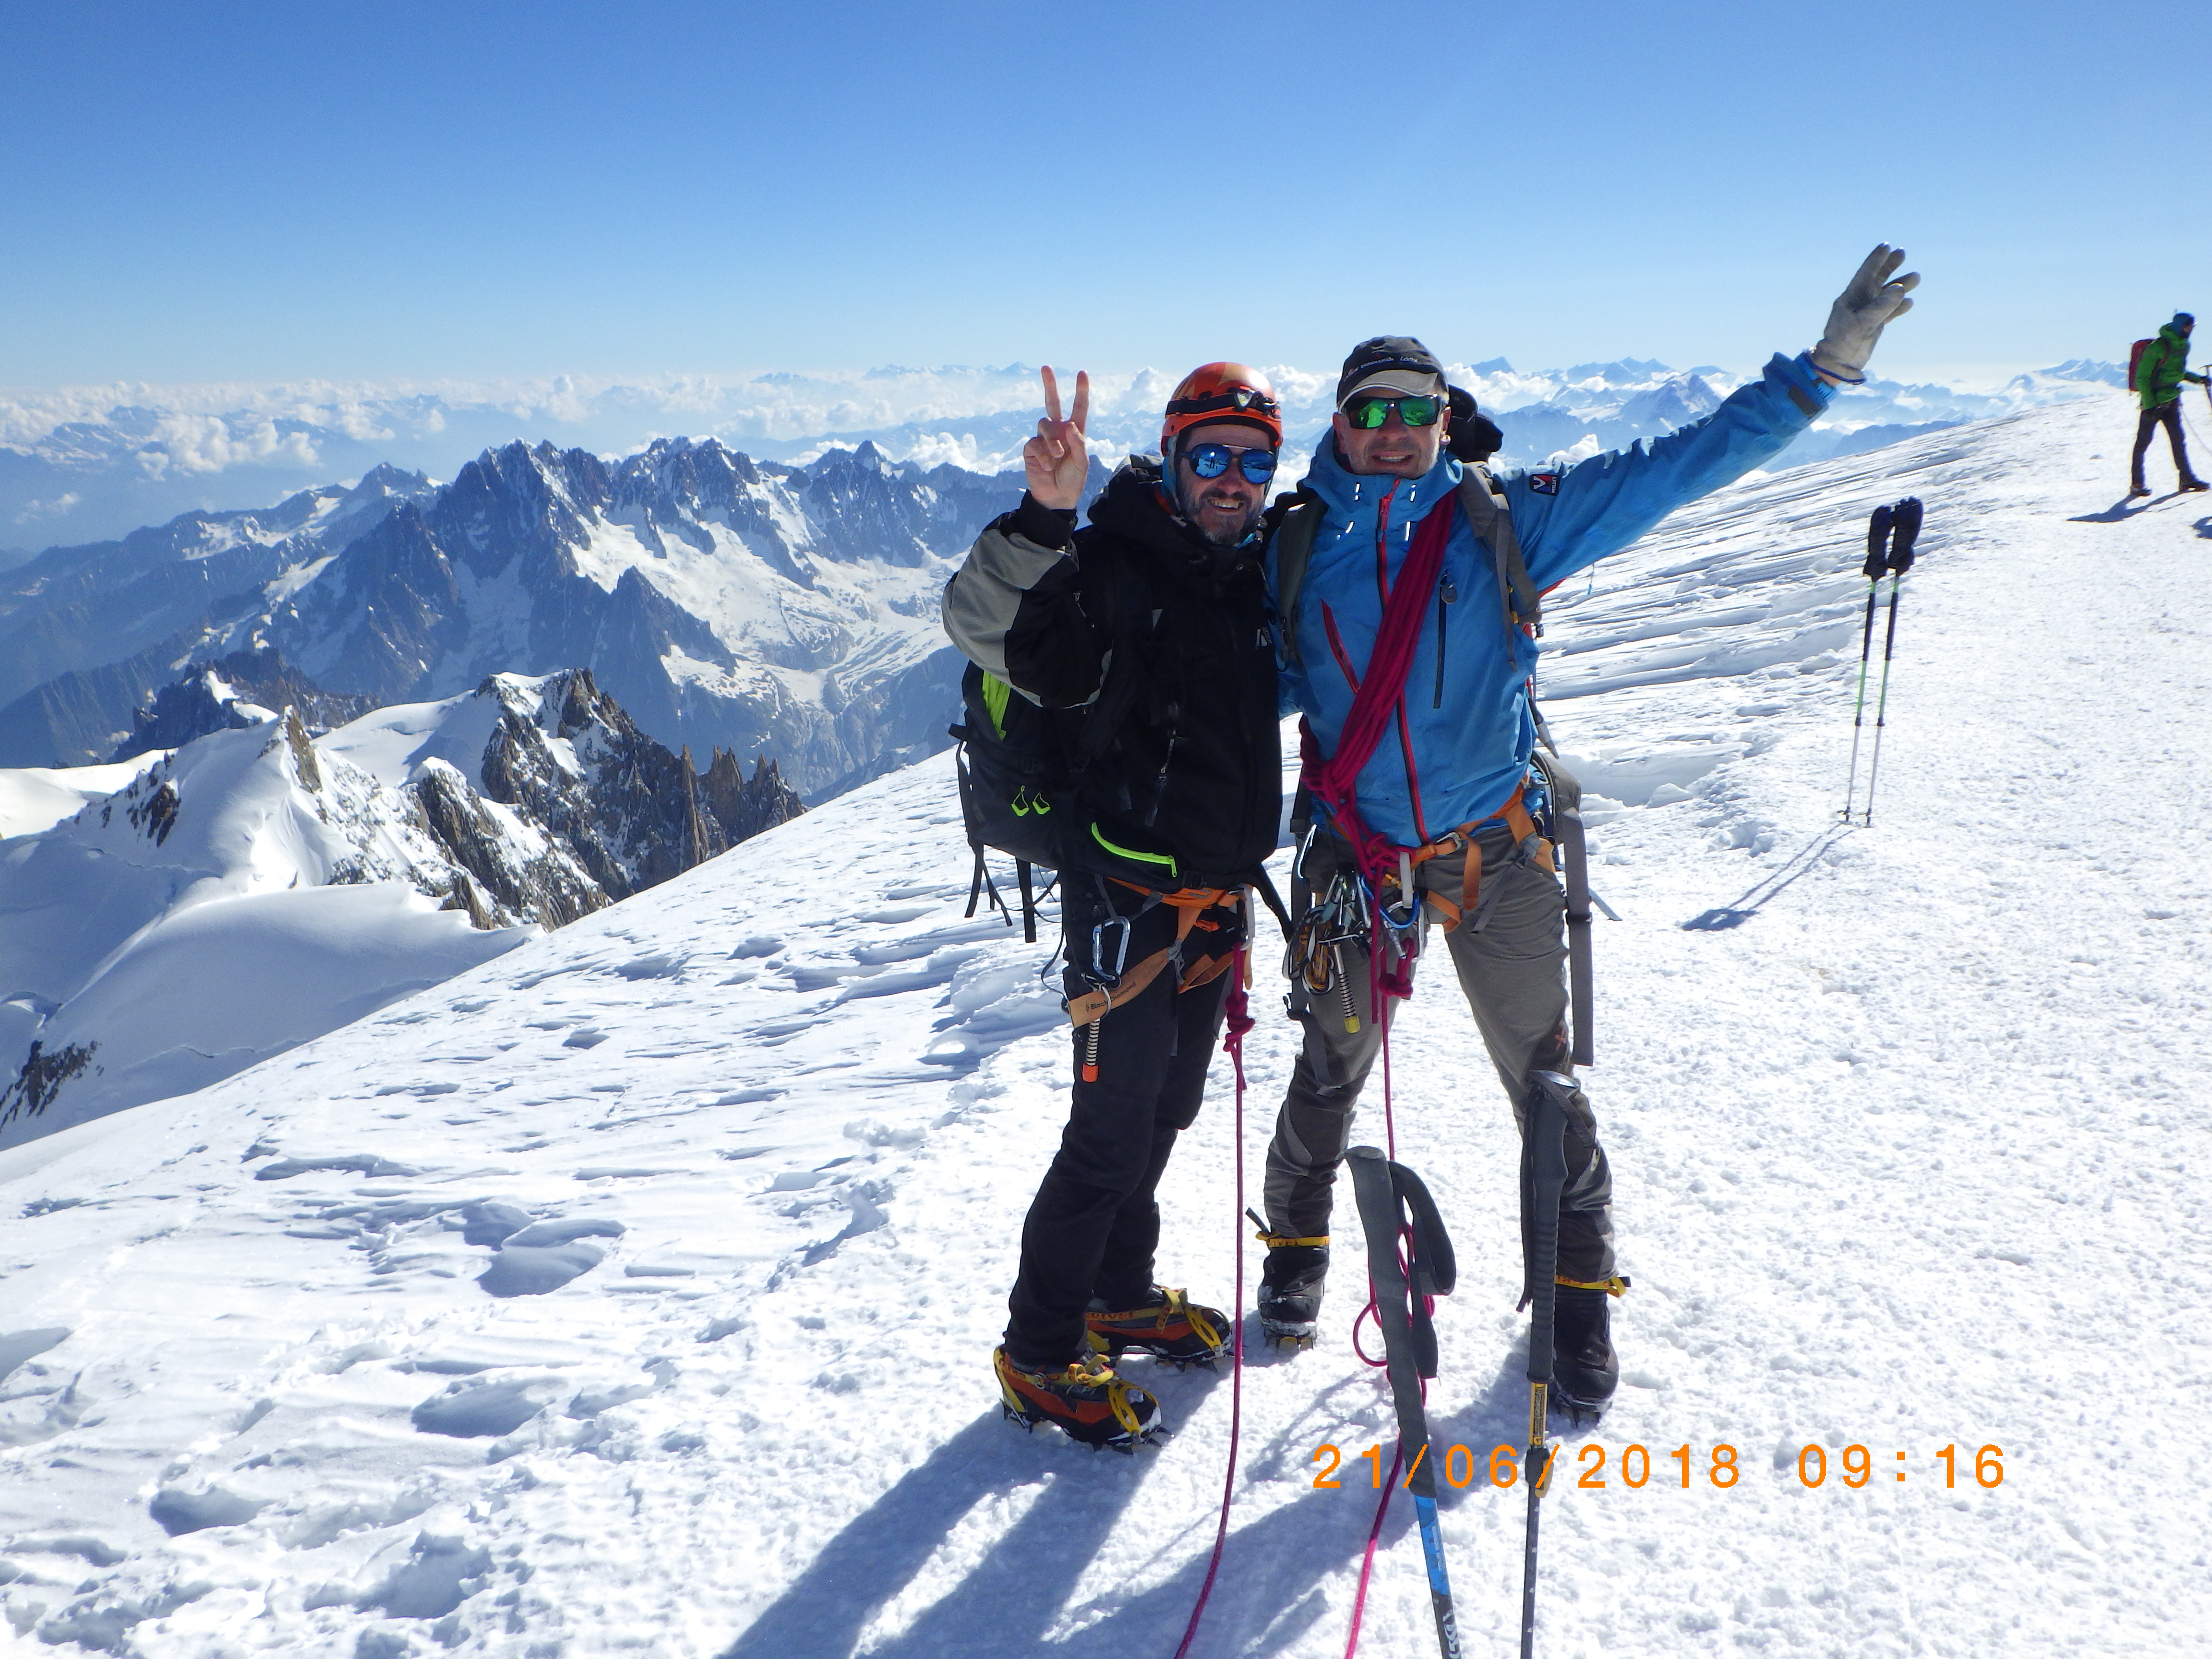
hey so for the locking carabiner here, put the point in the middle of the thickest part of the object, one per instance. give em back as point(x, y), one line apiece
point(1401, 916)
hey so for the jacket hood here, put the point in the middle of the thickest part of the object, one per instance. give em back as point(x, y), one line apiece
point(1133, 506)
point(1355, 496)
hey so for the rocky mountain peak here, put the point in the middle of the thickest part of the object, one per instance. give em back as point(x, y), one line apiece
point(245, 687)
point(725, 603)
point(529, 802)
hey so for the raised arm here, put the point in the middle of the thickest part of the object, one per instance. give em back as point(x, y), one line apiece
point(1013, 607)
point(1568, 520)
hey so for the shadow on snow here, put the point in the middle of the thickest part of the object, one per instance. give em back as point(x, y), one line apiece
point(1768, 888)
point(1024, 1590)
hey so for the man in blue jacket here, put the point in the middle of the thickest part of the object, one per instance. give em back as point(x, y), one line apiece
point(1447, 798)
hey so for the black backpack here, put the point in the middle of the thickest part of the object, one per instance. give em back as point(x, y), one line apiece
point(1018, 765)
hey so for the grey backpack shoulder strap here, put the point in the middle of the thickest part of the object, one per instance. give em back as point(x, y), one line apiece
point(1487, 515)
point(1293, 549)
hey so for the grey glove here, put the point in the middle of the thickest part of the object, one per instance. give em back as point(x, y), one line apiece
point(1855, 321)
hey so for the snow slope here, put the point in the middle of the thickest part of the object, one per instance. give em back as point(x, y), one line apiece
point(1904, 1122)
point(132, 968)
point(207, 915)
point(35, 798)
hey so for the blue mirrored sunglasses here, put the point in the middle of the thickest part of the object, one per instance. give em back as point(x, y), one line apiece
point(1211, 460)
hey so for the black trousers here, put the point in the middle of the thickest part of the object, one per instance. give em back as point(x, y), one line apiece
point(2169, 417)
point(1094, 1224)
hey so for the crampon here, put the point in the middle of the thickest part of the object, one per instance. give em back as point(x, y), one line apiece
point(1085, 1401)
point(1168, 1326)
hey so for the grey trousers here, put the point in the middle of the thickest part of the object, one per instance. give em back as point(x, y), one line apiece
point(1510, 955)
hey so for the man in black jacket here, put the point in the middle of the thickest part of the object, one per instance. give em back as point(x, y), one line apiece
point(1155, 614)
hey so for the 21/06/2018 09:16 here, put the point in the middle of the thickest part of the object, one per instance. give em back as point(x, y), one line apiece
point(1634, 1466)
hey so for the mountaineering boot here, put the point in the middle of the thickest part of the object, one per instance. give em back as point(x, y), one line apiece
point(2139, 489)
point(1168, 1325)
point(1585, 1371)
point(2189, 484)
point(1085, 1399)
point(1290, 1285)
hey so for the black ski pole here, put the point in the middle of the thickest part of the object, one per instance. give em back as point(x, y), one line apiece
point(1395, 1203)
point(1903, 533)
point(1877, 547)
point(1543, 1177)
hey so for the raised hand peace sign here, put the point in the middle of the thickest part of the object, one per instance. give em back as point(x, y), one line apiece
point(1056, 459)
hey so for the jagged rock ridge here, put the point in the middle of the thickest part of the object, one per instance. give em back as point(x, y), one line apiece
point(230, 694)
point(726, 603)
point(88, 633)
point(261, 885)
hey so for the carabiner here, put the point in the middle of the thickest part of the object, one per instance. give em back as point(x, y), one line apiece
point(1401, 917)
point(1099, 971)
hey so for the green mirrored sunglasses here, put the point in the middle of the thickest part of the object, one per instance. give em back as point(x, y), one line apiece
point(1368, 413)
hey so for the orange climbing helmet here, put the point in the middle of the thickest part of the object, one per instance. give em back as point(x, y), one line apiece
point(1223, 392)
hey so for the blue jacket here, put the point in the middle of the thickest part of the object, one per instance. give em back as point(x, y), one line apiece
point(1470, 748)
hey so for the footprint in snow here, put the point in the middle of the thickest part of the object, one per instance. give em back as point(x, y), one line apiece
point(544, 1256)
point(177, 1512)
point(474, 1410)
point(438, 1575)
point(16, 1346)
point(359, 1162)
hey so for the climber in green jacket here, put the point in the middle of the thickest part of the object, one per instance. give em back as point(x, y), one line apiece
point(2160, 372)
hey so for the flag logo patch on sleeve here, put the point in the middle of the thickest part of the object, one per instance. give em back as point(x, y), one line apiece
point(1544, 483)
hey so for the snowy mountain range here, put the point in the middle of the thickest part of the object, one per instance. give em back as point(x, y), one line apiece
point(83, 463)
point(757, 605)
point(256, 886)
point(726, 603)
point(633, 1290)
point(88, 633)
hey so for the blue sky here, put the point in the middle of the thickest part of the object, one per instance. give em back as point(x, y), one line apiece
point(251, 191)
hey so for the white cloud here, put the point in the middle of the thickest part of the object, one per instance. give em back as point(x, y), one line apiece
point(211, 443)
point(969, 415)
point(56, 509)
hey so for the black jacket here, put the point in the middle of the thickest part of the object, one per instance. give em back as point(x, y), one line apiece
point(1188, 792)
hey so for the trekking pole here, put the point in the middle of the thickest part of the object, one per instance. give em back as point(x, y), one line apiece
point(1395, 1208)
point(1907, 527)
point(1543, 1177)
point(1877, 544)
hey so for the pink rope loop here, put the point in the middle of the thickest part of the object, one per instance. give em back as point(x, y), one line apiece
point(1366, 1314)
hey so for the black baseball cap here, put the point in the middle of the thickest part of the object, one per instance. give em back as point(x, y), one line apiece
point(1396, 363)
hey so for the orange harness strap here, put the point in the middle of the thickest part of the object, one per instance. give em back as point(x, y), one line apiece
point(1188, 902)
point(1461, 840)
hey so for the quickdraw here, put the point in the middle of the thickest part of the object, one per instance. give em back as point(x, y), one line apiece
point(1315, 952)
